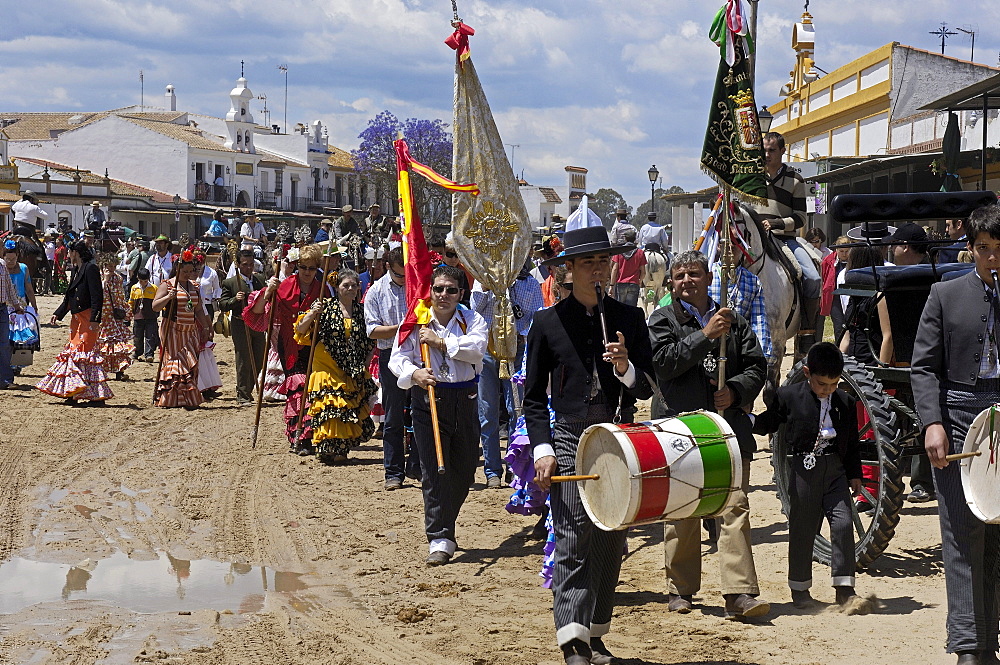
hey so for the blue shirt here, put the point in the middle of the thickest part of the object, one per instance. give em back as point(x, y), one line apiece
point(322, 235)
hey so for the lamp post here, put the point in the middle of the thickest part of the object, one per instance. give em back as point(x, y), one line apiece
point(765, 119)
point(653, 175)
point(177, 212)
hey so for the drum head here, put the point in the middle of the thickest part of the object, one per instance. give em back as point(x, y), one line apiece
point(981, 475)
point(609, 499)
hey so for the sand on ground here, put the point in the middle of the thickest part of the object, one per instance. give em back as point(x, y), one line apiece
point(79, 486)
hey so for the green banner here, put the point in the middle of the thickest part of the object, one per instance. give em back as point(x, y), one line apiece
point(733, 154)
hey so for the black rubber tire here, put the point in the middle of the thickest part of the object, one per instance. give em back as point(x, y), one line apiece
point(885, 451)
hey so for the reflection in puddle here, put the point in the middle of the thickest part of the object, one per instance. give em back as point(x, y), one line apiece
point(162, 584)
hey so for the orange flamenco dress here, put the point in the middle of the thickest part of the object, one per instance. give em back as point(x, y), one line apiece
point(177, 384)
point(78, 372)
point(340, 387)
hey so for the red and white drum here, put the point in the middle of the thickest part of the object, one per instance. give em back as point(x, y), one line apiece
point(669, 469)
point(981, 474)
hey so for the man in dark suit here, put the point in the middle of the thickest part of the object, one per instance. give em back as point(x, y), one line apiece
point(593, 380)
point(248, 344)
point(955, 376)
point(686, 345)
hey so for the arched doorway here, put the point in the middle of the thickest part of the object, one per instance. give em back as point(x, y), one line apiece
point(243, 199)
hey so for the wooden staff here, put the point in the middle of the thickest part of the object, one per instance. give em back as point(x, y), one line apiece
point(263, 366)
point(570, 479)
point(727, 253)
point(171, 311)
point(425, 355)
point(958, 456)
point(312, 344)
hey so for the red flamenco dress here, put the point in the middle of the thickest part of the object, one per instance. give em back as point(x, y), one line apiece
point(290, 302)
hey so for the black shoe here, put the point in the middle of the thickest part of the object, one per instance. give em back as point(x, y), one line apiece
point(599, 653)
point(304, 449)
point(920, 495)
point(968, 658)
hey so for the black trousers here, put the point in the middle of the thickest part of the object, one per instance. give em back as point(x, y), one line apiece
point(394, 456)
point(587, 559)
point(815, 493)
point(458, 420)
point(249, 350)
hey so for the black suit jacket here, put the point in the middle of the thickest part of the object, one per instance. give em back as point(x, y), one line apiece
point(949, 342)
point(84, 292)
point(234, 285)
point(797, 408)
point(563, 344)
point(680, 350)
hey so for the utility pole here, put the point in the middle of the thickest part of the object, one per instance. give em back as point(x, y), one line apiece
point(284, 68)
point(972, 33)
point(512, 146)
point(142, 93)
point(267, 114)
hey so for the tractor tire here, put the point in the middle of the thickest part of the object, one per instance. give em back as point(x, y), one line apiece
point(872, 531)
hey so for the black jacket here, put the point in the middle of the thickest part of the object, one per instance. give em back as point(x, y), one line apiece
point(563, 344)
point(84, 292)
point(949, 341)
point(232, 286)
point(680, 350)
point(797, 408)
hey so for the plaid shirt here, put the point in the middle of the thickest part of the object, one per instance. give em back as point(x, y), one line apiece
point(746, 296)
point(385, 305)
point(524, 293)
point(8, 294)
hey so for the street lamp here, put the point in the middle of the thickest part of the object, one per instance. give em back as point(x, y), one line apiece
point(765, 119)
point(653, 175)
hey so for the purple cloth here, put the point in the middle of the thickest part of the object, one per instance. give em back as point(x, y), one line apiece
point(528, 498)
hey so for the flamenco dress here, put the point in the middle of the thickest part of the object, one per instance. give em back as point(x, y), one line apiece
point(114, 338)
point(177, 383)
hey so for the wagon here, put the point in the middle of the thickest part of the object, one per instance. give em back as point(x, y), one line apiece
point(889, 427)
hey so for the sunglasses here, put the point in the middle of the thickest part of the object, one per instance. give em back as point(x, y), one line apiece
point(312, 268)
point(451, 255)
point(399, 275)
point(450, 290)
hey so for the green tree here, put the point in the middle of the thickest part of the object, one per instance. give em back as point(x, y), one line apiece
point(605, 202)
point(663, 211)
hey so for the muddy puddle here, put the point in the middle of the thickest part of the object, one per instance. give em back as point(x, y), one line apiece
point(160, 584)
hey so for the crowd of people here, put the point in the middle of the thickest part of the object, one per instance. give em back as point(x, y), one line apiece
point(321, 326)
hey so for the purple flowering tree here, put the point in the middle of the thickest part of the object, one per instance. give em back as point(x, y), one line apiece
point(430, 143)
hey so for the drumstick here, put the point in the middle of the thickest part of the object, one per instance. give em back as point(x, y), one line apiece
point(958, 456)
point(569, 479)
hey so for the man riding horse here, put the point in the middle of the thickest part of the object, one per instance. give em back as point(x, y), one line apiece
point(783, 215)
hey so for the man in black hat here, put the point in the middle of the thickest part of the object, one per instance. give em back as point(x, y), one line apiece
point(592, 380)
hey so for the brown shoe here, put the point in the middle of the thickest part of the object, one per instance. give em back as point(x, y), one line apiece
point(679, 604)
point(745, 606)
point(438, 558)
point(393, 484)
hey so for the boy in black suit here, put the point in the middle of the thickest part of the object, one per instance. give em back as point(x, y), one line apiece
point(821, 425)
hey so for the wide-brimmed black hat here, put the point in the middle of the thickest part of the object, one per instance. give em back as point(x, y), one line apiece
point(871, 231)
point(585, 242)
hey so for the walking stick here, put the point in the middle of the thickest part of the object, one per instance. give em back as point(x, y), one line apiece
point(299, 429)
point(425, 355)
point(171, 309)
point(263, 368)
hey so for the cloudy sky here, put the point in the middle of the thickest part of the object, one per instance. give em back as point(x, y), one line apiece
point(611, 85)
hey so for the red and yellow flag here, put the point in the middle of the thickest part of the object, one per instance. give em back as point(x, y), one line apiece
point(416, 258)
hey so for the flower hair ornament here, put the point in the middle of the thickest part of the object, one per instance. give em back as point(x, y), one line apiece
point(293, 254)
point(11, 245)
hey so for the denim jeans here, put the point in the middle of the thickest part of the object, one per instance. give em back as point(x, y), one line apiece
point(6, 371)
point(810, 277)
point(491, 390)
point(393, 403)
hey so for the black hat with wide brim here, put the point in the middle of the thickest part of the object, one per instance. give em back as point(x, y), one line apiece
point(586, 241)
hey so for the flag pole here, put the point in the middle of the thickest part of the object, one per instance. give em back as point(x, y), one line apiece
point(263, 366)
point(425, 355)
point(724, 267)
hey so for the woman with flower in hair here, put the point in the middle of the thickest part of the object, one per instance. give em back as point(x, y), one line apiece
point(340, 387)
point(114, 339)
point(78, 374)
point(290, 298)
point(182, 333)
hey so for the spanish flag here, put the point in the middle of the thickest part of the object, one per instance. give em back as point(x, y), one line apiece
point(416, 258)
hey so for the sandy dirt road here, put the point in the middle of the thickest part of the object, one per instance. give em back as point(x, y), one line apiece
point(138, 535)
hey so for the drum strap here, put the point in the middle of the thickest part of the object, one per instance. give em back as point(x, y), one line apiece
point(993, 440)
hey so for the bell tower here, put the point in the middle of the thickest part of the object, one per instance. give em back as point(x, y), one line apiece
point(239, 121)
point(804, 45)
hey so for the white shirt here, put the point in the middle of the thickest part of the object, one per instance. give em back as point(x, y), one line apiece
point(257, 267)
point(652, 232)
point(26, 211)
point(209, 287)
point(463, 357)
point(159, 267)
point(256, 232)
point(50, 250)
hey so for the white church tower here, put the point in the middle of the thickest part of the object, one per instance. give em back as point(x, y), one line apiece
point(239, 122)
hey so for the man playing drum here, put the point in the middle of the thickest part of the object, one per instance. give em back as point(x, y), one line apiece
point(955, 375)
point(594, 379)
point(685, 339)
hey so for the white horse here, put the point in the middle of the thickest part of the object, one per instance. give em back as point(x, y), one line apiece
point(653, 288)
point(781, 299)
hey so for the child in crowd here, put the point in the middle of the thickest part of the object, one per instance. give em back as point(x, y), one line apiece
point(140, 301)
point(821, 428)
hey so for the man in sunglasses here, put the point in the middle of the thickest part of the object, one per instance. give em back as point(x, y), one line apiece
point(456, 340)
point(593, 380)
